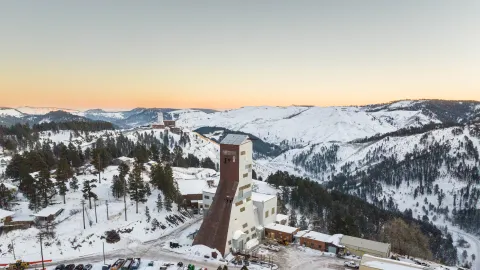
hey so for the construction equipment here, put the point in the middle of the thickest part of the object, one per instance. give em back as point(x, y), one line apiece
point(18, 265)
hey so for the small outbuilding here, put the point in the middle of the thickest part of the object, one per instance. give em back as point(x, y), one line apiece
point(5, 216)
point(48, 214)
point(359, 246)
point(280, 232)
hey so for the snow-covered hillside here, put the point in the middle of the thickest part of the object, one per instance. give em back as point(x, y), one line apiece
point(45, 110)
point(7, 112)
point(307, 125)
point(72, 241)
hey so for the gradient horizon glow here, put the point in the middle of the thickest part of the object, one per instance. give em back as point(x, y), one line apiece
point(226, 54)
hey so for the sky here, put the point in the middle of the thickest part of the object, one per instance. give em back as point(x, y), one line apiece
point(227, 54)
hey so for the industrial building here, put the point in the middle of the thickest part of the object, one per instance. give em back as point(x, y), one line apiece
point(235, 217)
point(359, 246)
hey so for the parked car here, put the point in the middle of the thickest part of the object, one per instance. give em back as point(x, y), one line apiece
point(351, 264)
point(136, 263)
point(70, 267)
point(150, 263)
point(106, 267)
point(60, 267)
point(180, 264)
point(79, 267)
point(88, 267)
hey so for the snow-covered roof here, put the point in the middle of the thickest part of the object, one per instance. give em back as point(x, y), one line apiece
point(210, 190)
point(5, 213)
point(234, 139)
point(388, 264)
point(48, 211)
point(191, 186)
point(317, 236)
point(335, 239)
point(281, 228)
point(23, 218)
point(281, 217)
point(368, 244)
point(259, 197)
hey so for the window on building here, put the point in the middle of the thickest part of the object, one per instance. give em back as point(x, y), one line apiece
point(252, 229)
point(273, 210)
point(229, 242)
point(242, 209)
point(206, 197)
point(206, 205)
point(245, 175)
point(248, 239)
point(249, 199)
point(240, 193)
point(245, 225)
point(266, 214)
point(254, 235)
point(242, 153)
point(239, 203)
point(245, 232)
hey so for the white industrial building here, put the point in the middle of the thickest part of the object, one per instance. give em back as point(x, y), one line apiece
point(235, 217)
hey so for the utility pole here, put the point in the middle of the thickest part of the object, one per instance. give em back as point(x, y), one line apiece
point(124, 196)
point(13, 249)
point(41, 250)
point(106, 202)
point(95, 203)
point(83, 209)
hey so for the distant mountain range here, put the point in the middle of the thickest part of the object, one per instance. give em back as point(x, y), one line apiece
point(124, 119)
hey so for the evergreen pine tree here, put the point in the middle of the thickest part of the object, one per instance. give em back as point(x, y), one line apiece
point(147, 213)
point(88, 185)
point(155, 152)
point(118, 187)
point(74, 184)
point(159, 202)
point(292, 218)
point(136, 185)
point(178, 156)
point(168, 204)
point(6, 196)
point(45, 187)
point(63, 172)
point(303, 223)
point(165, 153)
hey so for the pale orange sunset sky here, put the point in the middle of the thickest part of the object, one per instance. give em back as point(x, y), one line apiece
point(226, 54)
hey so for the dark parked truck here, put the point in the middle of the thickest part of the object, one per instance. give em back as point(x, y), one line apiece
point(128, 263)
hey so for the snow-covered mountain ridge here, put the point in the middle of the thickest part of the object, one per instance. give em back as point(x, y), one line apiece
point(298, 125)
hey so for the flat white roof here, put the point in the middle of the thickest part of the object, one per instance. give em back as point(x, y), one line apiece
point(280, 228)
point(394, 265)
point(50, 210)
point(5, 213)
point(260, 197)
point(187, 187)
point(360, 242)
point(256, 197)
point(317, 236)
point(388, 264)
point(211, 190)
